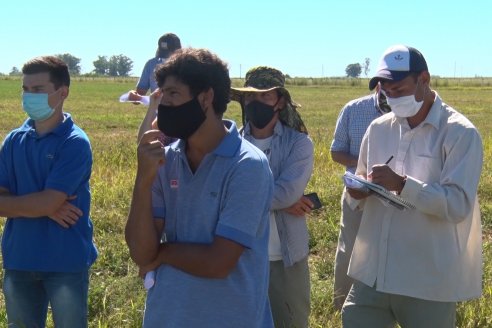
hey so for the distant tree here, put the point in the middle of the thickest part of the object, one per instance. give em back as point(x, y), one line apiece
point(119, 65)
point(15, 71)
point(101, 65)
point(72, 62)
point(353, 70)
point(367, 61)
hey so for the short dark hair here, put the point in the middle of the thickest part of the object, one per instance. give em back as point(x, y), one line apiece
point(56, 67)
point(200, 70)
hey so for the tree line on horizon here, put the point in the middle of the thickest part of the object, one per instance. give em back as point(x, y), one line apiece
point(116, 65)
point(121, 65)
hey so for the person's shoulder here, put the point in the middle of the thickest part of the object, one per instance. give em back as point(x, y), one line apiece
point(20, 130)
point(364, 101)
point(75, 136)
point(75, 130)
point(249, 154)
point(457, 122)
point(297, 137)
point(249, 151)
point(382, 122)
point(152, 61)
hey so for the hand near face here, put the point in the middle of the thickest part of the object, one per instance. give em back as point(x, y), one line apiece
point(150, 154)
point(155, 99)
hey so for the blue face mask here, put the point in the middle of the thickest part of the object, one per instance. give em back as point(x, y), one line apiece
point(36, 105)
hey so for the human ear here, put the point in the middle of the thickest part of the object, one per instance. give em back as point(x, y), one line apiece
point(64, 92)
point(207, 98)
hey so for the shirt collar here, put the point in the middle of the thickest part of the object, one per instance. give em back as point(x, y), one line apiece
point(61, 129)
point(228, 146)
point(278, 129)
point(433, 116)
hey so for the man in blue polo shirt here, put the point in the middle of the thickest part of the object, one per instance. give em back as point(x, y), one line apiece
point(45, 166)
point(209, 195)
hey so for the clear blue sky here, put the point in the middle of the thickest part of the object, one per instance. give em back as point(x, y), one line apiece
point(300, 37)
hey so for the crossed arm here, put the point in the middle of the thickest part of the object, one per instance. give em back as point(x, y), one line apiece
point(49, 202)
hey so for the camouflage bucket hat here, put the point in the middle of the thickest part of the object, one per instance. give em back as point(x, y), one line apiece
point(264, 79)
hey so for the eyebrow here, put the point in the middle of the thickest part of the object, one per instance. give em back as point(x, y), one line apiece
point(170, 88)
point(39, 86)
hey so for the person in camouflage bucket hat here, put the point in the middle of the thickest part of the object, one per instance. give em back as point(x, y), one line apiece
point(272, 124)
point(263, 79)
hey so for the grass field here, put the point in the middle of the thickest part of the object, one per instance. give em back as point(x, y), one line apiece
point(116, 294)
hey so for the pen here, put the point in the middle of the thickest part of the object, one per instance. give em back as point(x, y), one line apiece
point(389, 160)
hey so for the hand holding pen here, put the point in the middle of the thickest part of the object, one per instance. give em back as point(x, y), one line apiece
point(384, 175)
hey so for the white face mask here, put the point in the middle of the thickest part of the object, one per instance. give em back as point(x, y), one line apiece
point(405, 106)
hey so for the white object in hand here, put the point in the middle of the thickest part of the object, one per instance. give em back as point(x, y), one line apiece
point(149, 280)
point(145, 100)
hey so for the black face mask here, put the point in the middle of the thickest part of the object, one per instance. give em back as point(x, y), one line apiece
point(259, 114)
point(180, 121)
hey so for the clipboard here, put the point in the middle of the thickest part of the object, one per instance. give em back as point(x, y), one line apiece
point(355, 182)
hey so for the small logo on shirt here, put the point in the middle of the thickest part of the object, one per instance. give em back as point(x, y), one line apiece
point(174, 184)
point(50, 156)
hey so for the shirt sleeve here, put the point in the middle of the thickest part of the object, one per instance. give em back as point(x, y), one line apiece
point(295, 175)
point(452, 198)
point(341, 141)
point(244, 215)
point(4, 174)
point(144, 81)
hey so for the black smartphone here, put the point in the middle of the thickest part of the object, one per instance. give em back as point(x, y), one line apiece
point(313, 197)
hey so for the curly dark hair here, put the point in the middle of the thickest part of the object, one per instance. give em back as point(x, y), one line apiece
point(200, 70)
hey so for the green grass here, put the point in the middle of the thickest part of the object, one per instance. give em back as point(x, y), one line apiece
point(116, 296)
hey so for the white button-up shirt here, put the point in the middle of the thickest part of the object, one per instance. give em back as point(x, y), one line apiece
point(433, 252)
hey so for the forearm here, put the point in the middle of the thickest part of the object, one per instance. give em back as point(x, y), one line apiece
point(146, 123)
point(34, 205)
point(290, 184)
point(141, 234)
point(344, 158)
point(215, 260)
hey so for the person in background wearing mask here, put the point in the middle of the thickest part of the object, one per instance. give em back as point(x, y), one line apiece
point(47, 243)
point(273, 124)
point(352, 122)
point(412, 266)
point(197, 197)
point(166, 46)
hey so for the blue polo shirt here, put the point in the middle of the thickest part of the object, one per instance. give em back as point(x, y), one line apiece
point(147, 79)
point(29, 163)
point(229, 195)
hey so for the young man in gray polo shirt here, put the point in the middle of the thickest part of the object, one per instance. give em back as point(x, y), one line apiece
point(209, 194)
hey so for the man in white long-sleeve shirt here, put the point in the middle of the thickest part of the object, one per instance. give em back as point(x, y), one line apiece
point(412, 266)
